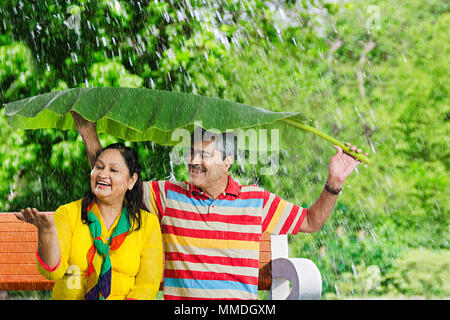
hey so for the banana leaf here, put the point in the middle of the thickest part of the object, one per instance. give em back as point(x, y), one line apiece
point(136, 114)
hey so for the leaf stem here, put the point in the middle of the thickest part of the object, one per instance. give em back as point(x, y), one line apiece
point(305, 127)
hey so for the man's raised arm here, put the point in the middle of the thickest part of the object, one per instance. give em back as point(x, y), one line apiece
point(88, 131)
point(341, 166)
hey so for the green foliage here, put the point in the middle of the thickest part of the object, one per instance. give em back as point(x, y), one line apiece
point(16, 68)
point(113, 74)
point(419, 273)
point(363, 281)
point(348, 239)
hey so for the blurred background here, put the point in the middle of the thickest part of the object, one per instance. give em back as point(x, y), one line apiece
point(375, 73)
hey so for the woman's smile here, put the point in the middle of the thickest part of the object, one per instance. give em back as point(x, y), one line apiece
point(102, 184)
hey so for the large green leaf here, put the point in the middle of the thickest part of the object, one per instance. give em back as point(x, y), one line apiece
point(142, 114)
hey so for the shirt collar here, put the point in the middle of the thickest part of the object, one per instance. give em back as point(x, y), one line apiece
point(232, 188)
point(193, 188)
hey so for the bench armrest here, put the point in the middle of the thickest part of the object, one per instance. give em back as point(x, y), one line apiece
point(302, 273)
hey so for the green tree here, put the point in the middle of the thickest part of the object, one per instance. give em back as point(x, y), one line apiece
point(375, 74)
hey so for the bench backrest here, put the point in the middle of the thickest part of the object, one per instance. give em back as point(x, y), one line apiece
point(18, 245)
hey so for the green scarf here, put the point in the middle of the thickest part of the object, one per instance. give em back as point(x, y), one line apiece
point(99, 284)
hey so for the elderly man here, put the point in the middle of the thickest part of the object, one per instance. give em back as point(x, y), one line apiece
point(211, 225)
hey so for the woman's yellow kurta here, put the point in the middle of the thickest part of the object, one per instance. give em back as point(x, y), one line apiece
point(136, 266)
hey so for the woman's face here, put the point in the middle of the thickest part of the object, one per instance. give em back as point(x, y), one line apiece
point(110, 178)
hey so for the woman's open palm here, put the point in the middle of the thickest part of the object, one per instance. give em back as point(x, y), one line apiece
point(32, 216)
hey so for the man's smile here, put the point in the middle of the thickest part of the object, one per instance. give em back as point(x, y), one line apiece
point(196, 169)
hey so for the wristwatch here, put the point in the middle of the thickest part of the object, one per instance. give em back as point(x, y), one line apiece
point(331, 190)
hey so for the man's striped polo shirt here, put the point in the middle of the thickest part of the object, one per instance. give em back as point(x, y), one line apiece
point(212, 246)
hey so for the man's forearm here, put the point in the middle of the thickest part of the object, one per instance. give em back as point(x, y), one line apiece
point(320, 211)
point(92, 144)
point(88, 131)
point(341, 166)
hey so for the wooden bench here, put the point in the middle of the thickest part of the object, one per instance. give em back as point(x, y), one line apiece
point(18, 271)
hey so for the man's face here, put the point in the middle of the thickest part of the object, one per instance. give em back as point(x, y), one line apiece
point(206, 165)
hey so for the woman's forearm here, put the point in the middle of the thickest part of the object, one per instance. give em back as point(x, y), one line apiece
point(48, 246)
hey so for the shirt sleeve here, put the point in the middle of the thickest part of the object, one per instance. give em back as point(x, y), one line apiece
point(281, 216)
point(146, 195)
point(64, 233)
point(148, 278)
point(157, 191)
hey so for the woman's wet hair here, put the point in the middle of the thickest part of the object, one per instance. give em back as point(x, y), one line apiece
point(133, 200)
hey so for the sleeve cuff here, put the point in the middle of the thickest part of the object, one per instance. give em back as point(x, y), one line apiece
point(300, 221)
point(46, 266)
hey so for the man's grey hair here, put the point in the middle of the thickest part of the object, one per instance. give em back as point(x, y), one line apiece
point(225, 142)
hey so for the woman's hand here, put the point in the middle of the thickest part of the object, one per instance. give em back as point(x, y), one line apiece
point(43, 221)
point(48, 245)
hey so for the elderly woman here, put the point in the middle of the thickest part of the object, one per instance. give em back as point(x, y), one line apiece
point(105, 245)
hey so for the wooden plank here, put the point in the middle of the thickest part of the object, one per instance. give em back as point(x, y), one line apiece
point(17, 226)
point(19, 269)
point(12, 258)
point(11, 213)
point(21, 278)
point(265, 276)
point(7, 217)
point(264, 246)
point(30, 282)
point(18, 236)
point(265, 257)
point(25, 286)
point(263, 262)
point(18, 247)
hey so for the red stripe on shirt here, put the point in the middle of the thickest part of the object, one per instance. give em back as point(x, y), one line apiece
point(202, 275)
point(266, 197)
point(271, 212)
point(233, 219)
point(197, 258)
point(155, 186)
point(288, 223)
point(172, 297)
point(250, 195)
point(175, 187)
point(211, 234)
point(300, 220)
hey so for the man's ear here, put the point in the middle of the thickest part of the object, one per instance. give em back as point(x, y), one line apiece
point(228, 162)
point(133, 180)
